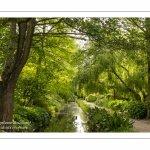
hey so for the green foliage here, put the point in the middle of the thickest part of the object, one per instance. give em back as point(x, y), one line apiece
point(118, 105)
point(114, 59)
point(124, 129)
point(49, 70)
point(83, 106)
point(91, 98)
point(45, 81)
point(37, 116)
point(137, 110)
point(120, 121)
point(21, 124)
point(29, 89)
point(100, 120)
point(103, 102)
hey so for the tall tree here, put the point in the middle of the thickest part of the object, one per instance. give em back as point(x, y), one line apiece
point(22, 31)
point(21, 34)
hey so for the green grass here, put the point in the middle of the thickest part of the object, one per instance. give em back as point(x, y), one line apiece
point(83, 106)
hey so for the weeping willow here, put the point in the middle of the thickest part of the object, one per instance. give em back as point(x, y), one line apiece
point(112, 72)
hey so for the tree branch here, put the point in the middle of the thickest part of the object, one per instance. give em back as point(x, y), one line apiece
point(136, 95)
point(135, 23)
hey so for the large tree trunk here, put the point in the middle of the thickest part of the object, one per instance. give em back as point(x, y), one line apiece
point(16, 58)
point(147, 37)
point(7, 102)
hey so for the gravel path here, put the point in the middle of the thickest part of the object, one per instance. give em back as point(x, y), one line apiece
point(139, 125)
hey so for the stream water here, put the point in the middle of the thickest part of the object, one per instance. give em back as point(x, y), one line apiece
point(80, 117)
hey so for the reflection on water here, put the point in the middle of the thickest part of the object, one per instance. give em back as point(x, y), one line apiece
point(80, 118)
point(79, 124)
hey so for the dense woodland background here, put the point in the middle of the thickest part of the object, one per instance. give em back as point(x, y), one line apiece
point(47, 62)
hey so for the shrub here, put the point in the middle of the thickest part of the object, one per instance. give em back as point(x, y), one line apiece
point(118, 105)
point(21, 124)
point(101, 120)
point(38, 116)
point(124, 129)
point(91, 98)
point(137, 110)
point(103, 102)
point(120, 121)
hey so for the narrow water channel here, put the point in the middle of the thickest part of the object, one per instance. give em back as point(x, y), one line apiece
point(70, 118)
point(80, 117)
